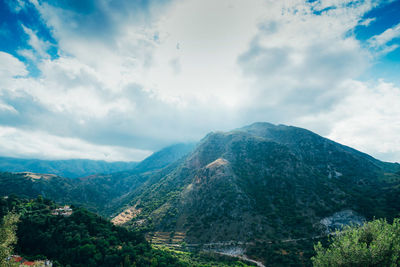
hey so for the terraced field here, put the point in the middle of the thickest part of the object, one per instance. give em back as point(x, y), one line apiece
point(169, 239)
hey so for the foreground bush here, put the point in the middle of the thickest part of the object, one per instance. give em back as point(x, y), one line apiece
point(376, 243)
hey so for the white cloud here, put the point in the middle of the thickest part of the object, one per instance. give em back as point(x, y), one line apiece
point(16, 5)
point(20, 143)
point(6, 107)
point(367, 119)
point(210, 35)
point(298, 60)
point(39, 46)
point(380, 42)
point(367, 22)
point(142, 79)
point(382, 39)
point(11, 66)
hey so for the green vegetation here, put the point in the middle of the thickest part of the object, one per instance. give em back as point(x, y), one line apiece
point(274, 186)
point(103, 194)
point(99, 194)
point(85, 239)
point(8, 237)
point(81, 239)
point(71, 168)
point(376, 243)
point(264, 188)
point(297, 253)
point(204, 259)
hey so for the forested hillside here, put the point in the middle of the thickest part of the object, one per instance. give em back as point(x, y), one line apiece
point(80, 239)
point(102, 193)
point(266, 188)
point(97, 193)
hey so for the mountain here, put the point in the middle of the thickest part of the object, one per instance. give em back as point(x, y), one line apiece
point(263, 191)
point(107, 193)
point(264, 184)
point(164, 157)
point(72, 168)
point(102, 193)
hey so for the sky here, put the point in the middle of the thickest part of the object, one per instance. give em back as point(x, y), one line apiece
point(116, 80)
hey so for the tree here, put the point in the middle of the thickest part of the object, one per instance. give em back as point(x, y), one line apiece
point(376, 243)
point(8, 236)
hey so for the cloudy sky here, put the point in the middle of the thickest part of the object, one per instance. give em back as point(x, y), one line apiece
point(117, 79)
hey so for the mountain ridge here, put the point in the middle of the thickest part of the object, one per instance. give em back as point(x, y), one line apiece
point(265, 182)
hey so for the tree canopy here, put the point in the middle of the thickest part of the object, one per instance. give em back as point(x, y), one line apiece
point(8, 236)
point(81, 239)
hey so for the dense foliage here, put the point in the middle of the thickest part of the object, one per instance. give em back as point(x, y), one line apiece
point(98, 194)
point(8, 237)
point(376, 243)
point(206, 258)
point(82, 239)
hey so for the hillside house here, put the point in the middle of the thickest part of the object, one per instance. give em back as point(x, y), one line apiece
point(23, 262)
point(63, 211)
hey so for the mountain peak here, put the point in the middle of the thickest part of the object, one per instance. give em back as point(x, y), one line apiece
point(259, 125)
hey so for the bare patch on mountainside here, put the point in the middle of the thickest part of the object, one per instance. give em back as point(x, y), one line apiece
point(125, 216)
point(217, 163)
point(36, 176)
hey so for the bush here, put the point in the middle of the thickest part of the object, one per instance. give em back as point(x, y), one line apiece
point(8, 237)
point(376, 243)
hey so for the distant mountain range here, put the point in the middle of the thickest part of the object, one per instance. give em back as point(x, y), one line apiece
point(269, 190)
point(98, 192)
point(74, 168)
point(71, 168)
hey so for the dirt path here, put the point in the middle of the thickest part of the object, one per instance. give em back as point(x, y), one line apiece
point(243, 257)
point(226, 243)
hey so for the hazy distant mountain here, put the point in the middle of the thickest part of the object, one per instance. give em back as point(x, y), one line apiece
point(72, 168)
point(164, 157)
point(103, 193)
point(266, 183)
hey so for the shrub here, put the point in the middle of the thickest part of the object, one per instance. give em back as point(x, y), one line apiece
point(376, 243)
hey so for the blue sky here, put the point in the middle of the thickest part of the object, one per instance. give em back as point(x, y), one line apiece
point(385, 16)
point(116, 80)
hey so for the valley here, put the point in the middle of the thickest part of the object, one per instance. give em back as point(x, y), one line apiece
point(263, 194)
